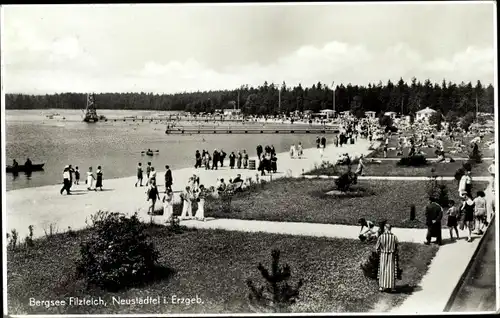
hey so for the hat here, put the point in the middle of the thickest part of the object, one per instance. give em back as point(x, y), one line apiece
point(66, 167)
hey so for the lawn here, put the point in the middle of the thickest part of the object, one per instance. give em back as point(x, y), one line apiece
point(393, 143)
point(214, 265)
point(391, 168)
point(304, 200)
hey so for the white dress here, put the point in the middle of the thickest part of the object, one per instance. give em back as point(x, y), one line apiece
point(90, 179)
point(168, 208)
point(200, 213)
point(187, 209)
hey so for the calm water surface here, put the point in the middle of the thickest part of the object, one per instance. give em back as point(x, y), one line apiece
point(116, 146)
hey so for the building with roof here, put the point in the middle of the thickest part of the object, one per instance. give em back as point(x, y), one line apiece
point(424, 114)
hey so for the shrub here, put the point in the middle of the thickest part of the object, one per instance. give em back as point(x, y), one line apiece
point(385, 121)
point(29, 238)
point(12, 239)
point(117, 254)
point(467, 121)
point(413, 161)
point(438, 191)
point(175, 225)
point(370, 266)
point(345, 181)
point(475, 155)
point(280, 295)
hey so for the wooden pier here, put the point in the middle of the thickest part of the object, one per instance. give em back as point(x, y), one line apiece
point(301, 130)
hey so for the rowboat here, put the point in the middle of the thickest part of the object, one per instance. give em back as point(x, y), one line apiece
point(23, 168)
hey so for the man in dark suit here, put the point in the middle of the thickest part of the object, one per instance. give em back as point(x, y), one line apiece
point(433, 216)
point(168, 179)
point(215, 159)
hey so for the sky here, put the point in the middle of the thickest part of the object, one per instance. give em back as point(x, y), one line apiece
point(179, 48)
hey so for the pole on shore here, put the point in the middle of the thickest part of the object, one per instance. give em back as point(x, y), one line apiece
point(333, 96)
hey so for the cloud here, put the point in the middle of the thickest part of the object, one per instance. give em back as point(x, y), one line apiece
point(70, 68)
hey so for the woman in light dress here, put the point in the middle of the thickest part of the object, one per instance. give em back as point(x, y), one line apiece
point(200, 213)
point(187, 208)
point(168, 205)
point(292, 151)
point(300, 150)
point(90, 179)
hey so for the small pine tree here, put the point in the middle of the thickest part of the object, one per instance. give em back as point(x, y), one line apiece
point(345, 180)
point(438, 191)
point(280, 295)
point(370, 266)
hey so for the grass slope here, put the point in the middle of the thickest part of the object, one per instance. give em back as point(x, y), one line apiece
point(213, 265)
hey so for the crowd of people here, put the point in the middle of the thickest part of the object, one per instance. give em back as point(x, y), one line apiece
point(71, 176)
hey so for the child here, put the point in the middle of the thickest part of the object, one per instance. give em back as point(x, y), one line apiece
point(77, 175)
point(452, 222)
point(168, 205)
point(153, 195)
point(480, 212)
point(467, 210)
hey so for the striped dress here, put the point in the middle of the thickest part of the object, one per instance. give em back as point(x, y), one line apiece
point(387, 246)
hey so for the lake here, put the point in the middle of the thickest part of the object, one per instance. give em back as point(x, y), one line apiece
point(116, 146)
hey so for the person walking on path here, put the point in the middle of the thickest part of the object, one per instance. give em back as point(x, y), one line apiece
point(153, 195)
point(200, 212)
point(433, 216)
point(292, 151)
point(71, 171)
point(152, 175)
point(245, 159)
point(467, 210)
point(480, 212)
point(139, 174)
point(259, 151)
point(215, 160)
point(187, 209)
point(361, 166)
point(77, 176)
point(232, 158)
point(90, 179)
point(491, 170)
point(465, 185)
point(168, 179)
point(197, 157)
point(318, 142)
point(239, 160)
point(452, 221)
point(222, 157)
point(148, 172)
point(168, 206)
point(98, 183)
point(66, 181)
point(387, 247)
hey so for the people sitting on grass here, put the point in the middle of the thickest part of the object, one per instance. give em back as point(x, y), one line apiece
point(221, 186)
point(344, 159)
point(453, 214)
point(369, 231)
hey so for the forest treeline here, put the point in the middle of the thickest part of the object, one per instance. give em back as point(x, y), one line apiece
point(400, 97)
